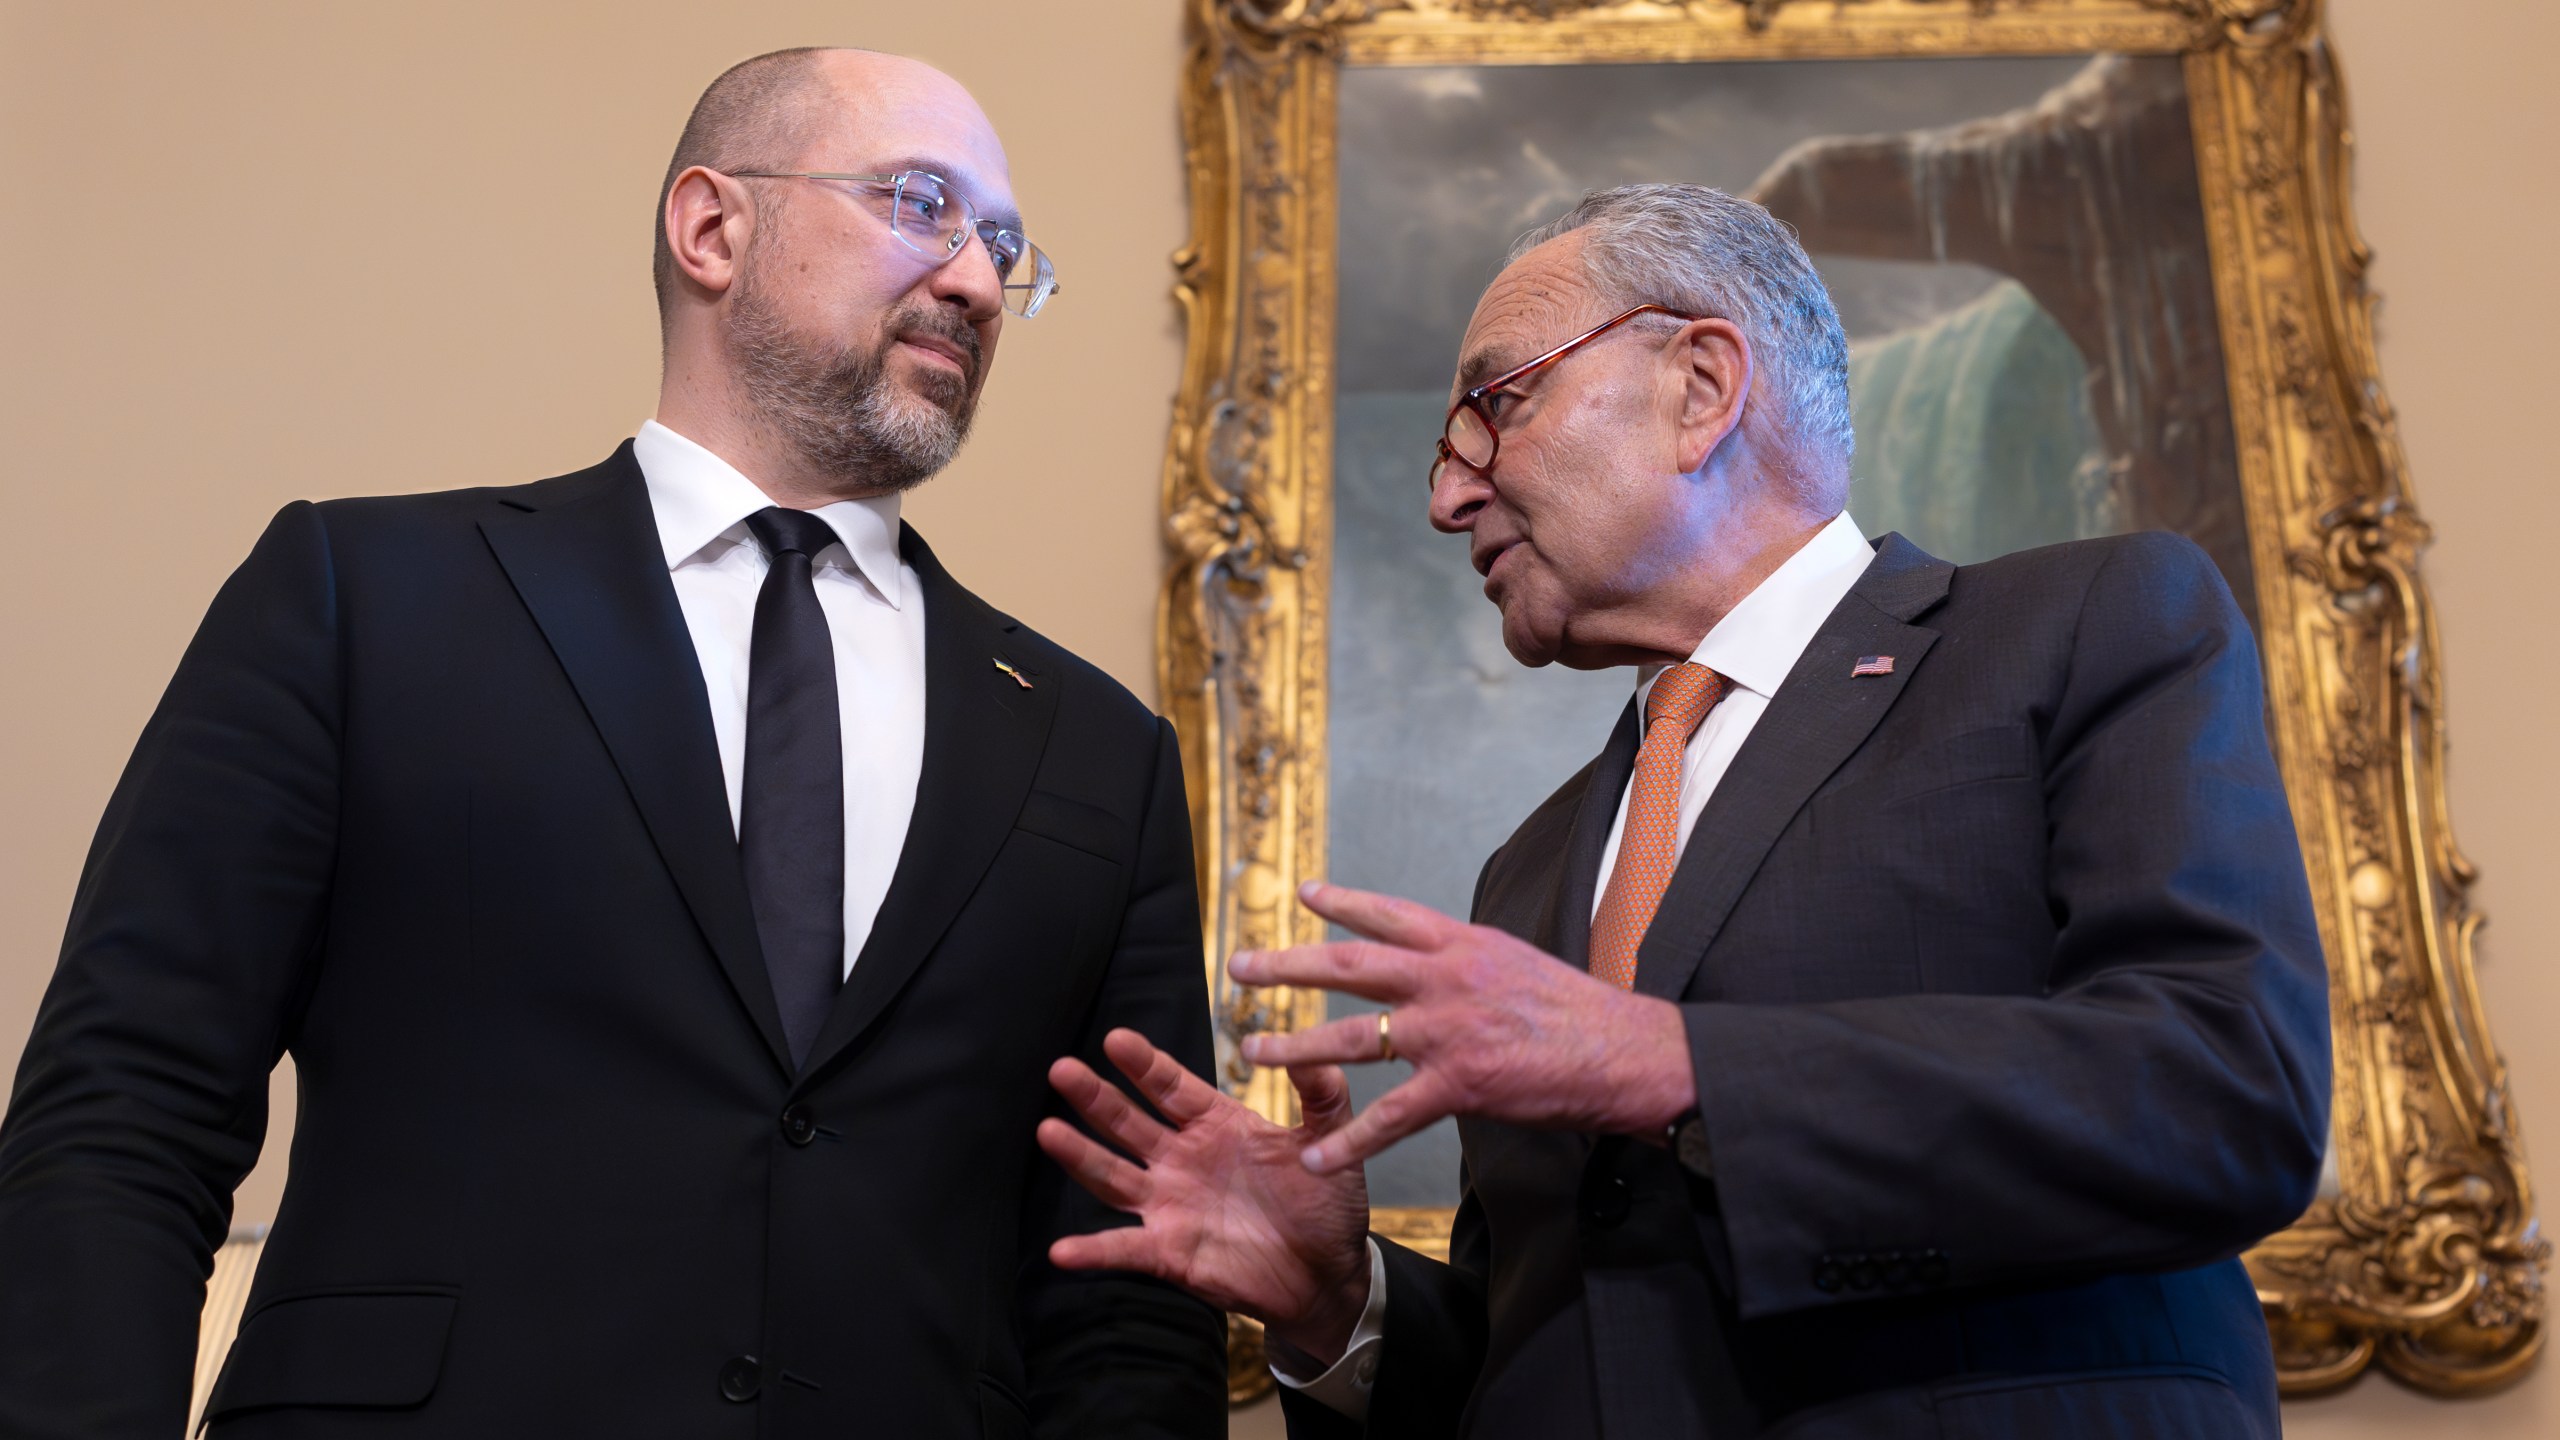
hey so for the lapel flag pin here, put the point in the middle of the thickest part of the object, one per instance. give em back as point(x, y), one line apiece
point(1871, 665)
point(1016, 674)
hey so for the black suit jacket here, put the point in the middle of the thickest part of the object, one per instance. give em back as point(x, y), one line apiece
point(2008, 1013)
point(433, 804)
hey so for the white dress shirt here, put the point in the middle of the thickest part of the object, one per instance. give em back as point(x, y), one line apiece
point(1752, 647)
point(875, 619)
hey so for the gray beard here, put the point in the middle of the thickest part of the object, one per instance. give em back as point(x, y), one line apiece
point(841, 411)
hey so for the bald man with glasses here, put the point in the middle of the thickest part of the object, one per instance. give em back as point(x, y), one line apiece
point(671, 884)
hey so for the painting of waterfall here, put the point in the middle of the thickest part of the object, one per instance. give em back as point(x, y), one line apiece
point(2017, 249)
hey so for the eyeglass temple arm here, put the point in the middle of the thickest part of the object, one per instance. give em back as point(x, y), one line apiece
point(1515, 372)
point(811, 175)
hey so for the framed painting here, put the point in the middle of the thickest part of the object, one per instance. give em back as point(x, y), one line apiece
point(2100, 273)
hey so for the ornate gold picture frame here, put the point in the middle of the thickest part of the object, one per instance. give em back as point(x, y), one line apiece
point(2424, 1255)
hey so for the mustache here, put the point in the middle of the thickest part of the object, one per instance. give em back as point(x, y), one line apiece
point(938, 322)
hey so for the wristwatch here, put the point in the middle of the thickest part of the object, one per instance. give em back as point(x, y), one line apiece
point(1687, 1137)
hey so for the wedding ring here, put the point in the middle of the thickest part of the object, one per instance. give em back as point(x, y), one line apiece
point(1386, 1037)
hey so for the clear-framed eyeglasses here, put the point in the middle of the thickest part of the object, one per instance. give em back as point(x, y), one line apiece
point(931, 217)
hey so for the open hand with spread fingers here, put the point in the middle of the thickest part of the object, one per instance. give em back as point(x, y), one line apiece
point(1493, 1027)
point(1225, 1208)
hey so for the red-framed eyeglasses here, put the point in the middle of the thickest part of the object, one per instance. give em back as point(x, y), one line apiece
point(1472, 430)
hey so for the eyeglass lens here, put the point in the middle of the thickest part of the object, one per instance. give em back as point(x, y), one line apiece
point(929, 218)
point(1466, 437)
point(1470, 438)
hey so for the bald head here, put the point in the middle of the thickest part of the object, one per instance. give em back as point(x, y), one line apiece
point(765, 112)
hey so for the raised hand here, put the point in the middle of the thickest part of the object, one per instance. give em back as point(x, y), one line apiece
point(1225, 1208)
point(1492, 1026)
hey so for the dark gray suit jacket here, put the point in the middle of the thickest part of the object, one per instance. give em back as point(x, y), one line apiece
point(2009, 1019)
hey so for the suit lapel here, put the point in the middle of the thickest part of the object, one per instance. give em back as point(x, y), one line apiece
point(1554, 911)
point(585, 559)
point(1819, 717)
point(984, 735)
point(1570, 934)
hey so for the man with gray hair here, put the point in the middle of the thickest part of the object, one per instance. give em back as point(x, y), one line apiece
point(1898, 1029)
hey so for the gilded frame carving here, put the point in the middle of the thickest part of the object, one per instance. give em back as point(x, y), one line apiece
point(2427, 1259)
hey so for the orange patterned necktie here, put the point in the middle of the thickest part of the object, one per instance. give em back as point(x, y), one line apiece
point(1649, 847)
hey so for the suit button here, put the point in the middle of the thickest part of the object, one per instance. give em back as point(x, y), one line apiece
point(1863, 1274)
point(798, 1125)
point(741, 1378)
point(1897, 1270)
point(1828, 1276)
point(1607, 1202)
point(1932, 1267)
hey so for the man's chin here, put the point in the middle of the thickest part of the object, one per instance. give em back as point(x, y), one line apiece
point(1532, 645)
point(918, 408)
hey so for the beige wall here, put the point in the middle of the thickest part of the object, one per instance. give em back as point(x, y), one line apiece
point(326, 249)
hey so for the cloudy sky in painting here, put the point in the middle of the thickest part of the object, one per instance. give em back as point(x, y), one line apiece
point(1441, 167)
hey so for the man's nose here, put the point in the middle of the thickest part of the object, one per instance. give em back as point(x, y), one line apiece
point(969, 280)
point(1457, 495)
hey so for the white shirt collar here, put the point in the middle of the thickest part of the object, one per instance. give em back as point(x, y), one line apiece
point(700, 499)
point(1759, 640)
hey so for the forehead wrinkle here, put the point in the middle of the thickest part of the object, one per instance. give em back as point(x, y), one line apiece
point(1518, 301)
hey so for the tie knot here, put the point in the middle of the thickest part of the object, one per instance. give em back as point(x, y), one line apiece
point(1682, 696)
point(798, 531)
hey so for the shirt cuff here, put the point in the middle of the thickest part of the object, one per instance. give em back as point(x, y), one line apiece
point(1345, 1387)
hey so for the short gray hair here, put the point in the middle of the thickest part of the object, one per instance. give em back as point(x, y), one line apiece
point(1705, 252)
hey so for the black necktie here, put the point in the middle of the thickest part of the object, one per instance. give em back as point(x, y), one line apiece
point(791, 814)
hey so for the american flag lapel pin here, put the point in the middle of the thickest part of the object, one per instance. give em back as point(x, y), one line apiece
point(1871, 665)
point(1017, 675)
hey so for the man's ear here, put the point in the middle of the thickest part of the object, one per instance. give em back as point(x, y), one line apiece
point(1715, 371)
point(708, 220)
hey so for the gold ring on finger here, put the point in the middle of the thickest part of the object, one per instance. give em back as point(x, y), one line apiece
point(1386, 1036)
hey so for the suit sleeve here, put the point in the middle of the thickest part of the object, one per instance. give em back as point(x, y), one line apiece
point(140, 1101)
point(2164, 1104)
point(1432, 1345)
point(1112, 1353)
